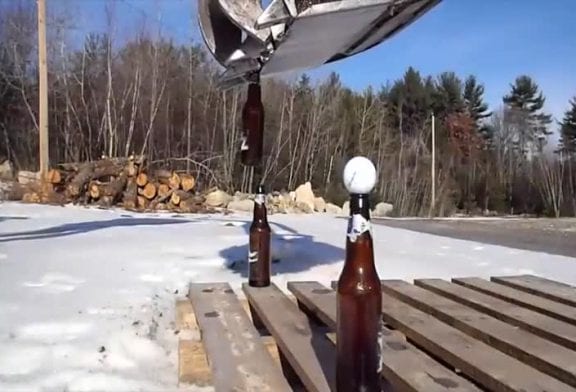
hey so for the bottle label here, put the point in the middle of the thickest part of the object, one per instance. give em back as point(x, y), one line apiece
point(356, 226)
point(244, 145)
point(260, 199)
point(252, 257)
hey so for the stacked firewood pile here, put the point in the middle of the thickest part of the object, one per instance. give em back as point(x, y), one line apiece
point(124, 182)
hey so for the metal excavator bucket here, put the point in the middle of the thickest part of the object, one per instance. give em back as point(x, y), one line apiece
point(250, 41)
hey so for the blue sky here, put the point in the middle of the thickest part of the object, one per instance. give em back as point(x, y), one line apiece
point(496, 40)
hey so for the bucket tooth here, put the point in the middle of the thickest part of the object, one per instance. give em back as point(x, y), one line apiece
point(224, 83)
point(241, 66)
point(277, 12)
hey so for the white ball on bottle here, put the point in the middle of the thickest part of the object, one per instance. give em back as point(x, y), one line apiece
point(359, 175)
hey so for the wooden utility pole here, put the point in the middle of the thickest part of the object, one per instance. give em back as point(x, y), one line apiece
point(43, 93)
point(433, 174)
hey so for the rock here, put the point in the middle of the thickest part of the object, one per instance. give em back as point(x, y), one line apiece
point(382, 209)
point(280, 203)
point(346, 208)
point(304, 194)
point(333, 209)
point(241, 196)
point(6, 170)
point(319, 204)
point(292, 196)
point(241, 205)
point(304, 207)
point(218, 198)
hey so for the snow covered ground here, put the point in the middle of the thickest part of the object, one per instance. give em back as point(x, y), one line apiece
point(87, 295)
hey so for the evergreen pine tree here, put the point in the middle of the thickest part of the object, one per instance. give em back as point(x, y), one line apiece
point(476, 108)
point(568, 130)
point(524, 108)
point(410, 101)
point(448, 96)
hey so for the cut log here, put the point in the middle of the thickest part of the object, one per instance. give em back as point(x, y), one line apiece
point(31, 197)
point(53, 176)
point(187, 182)
point(113, 189)
point(149, 191)
point(134, 166)
point(46, 188)
point(12, 191)
point(27, 177)
point(106, 201)
point(164, 190)
point(94, 190)
point(160, 199)
point(142, 180)
point(163, 176)
point(142, 202)
point(179, 195)
point(130, 194)
point(77, 166)
point(191, 205)
point(175, 181)
point(91, 171)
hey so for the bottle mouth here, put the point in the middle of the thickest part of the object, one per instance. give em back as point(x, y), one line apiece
point(260, 189)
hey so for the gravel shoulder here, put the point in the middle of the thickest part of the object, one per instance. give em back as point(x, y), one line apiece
point(554, 236)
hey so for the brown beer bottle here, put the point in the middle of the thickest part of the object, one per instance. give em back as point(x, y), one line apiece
point(359, 307)
point(259, 247)
point(253, 127)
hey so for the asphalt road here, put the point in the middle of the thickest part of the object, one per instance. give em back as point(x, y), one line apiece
point(554, 236)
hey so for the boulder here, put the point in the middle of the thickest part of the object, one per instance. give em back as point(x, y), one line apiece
point(382, 209)
point(240, 196)
point(241, 205)
point(304, 207)
point(319, 204)
point(281, 203)
point(292, 196)
point(304, 194)
point(6, 170)
point(218, 198)
point(333, 209)
point(346, 208)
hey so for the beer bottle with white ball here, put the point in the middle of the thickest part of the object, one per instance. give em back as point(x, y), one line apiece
point(359, 298)
point(259, 243)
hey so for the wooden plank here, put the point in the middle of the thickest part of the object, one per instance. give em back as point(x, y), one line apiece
point(185, 318)
point(489, 367)
point(539, 324)
point(546, 288)
point(193, 366)
point(310, 353)
point(405, 367)
point(545, 306)
point(540, 353)
point(238, 358)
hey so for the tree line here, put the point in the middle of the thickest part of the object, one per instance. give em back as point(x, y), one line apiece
point(151, 96)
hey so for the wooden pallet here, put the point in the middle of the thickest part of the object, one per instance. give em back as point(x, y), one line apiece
point(504, 334)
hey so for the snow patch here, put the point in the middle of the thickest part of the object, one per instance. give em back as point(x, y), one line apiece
point(56, 282)
point(111, 327)
point(53, 331)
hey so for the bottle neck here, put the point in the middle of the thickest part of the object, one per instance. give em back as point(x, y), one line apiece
point(260, 213)
point(254, 93)
point(360, 205)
